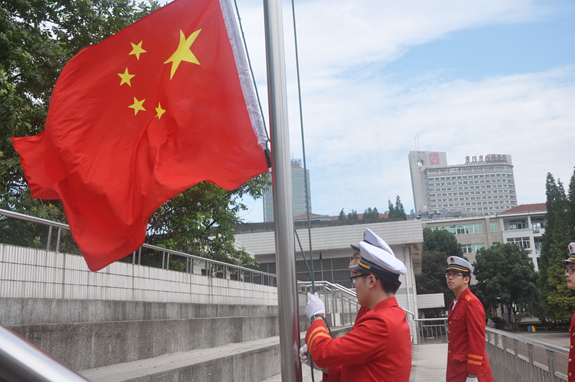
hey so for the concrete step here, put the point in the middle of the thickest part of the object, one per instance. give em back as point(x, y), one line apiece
point(32, 311)
point(94, 344)
point(248, 361)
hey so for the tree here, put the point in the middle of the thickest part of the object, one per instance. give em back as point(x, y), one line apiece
point(559, 232)
point(505, 275)
point(438, 245)
point(391, 209)
point(341, 215)
point(352, 215)
point(200, 220)
point(37, 39)
point(370, 214)
point(399, 210)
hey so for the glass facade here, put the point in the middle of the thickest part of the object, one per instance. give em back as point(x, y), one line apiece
point(298, 193)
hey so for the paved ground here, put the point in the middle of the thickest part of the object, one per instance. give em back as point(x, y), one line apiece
point(429, 361)
point(557, 339)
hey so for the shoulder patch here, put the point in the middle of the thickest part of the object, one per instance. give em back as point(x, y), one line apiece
point(468, 297)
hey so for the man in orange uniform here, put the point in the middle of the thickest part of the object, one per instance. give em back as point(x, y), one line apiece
point(570, 277)
point(379, 346)
point(466, 357)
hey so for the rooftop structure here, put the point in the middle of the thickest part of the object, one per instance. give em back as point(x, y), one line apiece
point(482, 185)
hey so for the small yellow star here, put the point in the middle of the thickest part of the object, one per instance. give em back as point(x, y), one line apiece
point(183, 52)
point(126, 77)
point(138, 105)
point(137, 50)
point(159, 111)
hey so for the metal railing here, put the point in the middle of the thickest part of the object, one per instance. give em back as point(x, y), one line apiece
point(516, 358)
point(341, 304)
point(21, 361)
point(431, 331)
point(211, 268)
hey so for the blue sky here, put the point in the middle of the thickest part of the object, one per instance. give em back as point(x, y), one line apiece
point(467, 78)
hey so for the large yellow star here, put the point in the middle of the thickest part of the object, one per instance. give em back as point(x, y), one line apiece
point(183, 52)
point(126, 77)
point(137, 50)
point(138, 105)
point(159, 111)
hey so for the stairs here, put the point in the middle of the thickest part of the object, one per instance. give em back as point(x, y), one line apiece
point(150, 341)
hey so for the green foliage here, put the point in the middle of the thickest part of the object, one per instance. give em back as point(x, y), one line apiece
point(370, 214)
point(558, 300)
point(37, 38)
point(200, 220)
point(441, 241)
point(341, 215)
point(438, 245)
point(505, 275)
point(397, 211)
point(353, 215)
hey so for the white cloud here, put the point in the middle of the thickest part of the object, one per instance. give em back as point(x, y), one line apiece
point(360, 125)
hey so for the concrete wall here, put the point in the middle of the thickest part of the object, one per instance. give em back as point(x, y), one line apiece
point(36, 273)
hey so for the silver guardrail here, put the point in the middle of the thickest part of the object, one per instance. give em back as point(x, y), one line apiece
point(431, 331)
point(241, 273)
point(21, 361)
point(341, 303)
point(516, 358)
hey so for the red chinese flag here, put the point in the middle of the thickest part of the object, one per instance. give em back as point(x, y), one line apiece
point(142, 116)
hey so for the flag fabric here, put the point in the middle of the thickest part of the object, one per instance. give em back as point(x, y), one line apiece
point(140, 117)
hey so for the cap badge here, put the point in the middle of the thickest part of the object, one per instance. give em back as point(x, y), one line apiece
point(571, 248)
point(452, 259)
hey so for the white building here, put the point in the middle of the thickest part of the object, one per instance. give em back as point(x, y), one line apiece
point(332, 252)
point(524, 225)
point(481, 186)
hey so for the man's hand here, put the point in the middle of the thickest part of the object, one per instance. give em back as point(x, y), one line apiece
point(314, 306)
point(304, 357)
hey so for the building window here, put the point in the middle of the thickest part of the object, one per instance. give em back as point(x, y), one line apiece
point(517, 224)
point(471, 248)
point(493, 226)
point(520, 241)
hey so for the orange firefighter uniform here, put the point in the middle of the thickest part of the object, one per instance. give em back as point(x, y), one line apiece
point(377, 349)
point(466, 345)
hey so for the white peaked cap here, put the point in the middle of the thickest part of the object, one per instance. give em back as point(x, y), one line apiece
point(377, 257)
point(456, 263)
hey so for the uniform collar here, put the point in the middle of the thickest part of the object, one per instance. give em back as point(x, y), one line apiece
point(388, 302)
point(461, 297)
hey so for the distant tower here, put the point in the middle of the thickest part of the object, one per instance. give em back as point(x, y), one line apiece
point(298, 193)
point(483, 185)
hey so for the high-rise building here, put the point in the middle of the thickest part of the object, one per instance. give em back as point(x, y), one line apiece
point(483, 185)
point(298, 193)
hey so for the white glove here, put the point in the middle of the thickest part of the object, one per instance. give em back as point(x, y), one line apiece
point(304, 357)
point(471, 379)
point(314, 306)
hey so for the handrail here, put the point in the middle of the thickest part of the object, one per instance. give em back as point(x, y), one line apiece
point(34, 219)
point(516, 358)
point(21, 361)
point(60, 226)
point(545, 345)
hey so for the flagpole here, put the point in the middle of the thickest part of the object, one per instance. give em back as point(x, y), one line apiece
point(282, 192)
